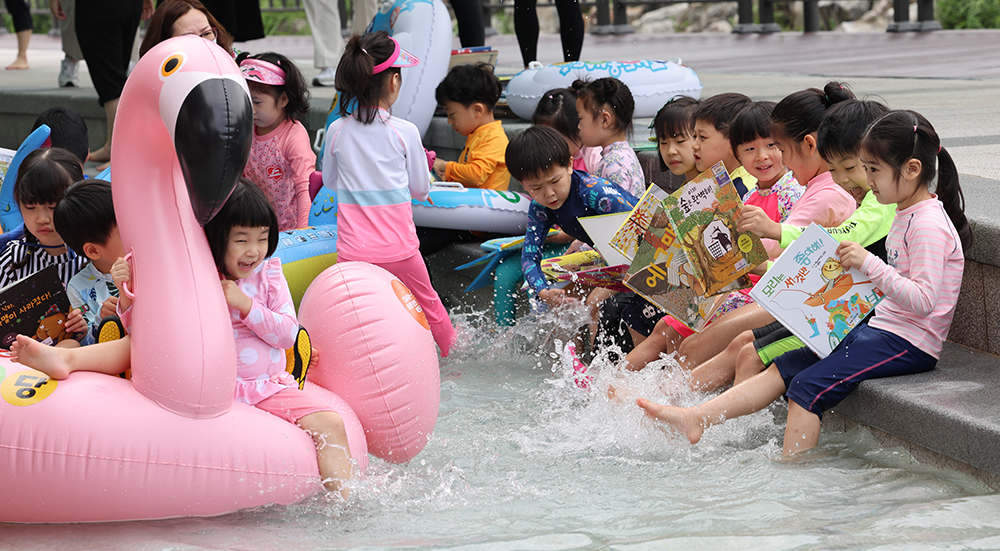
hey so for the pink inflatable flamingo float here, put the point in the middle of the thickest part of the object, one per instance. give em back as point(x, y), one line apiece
point(171, 441)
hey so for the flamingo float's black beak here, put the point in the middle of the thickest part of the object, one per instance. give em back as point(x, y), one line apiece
point(212, 138)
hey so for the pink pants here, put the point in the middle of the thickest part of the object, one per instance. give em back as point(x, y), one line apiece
point(413, 273)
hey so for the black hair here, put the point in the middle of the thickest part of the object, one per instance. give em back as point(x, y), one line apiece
point(531, 153)
point(611, 92)
point(294, 88)
point(360, 90)
point(69, 131)
point(85, 214)
point(720, 110)
point(842, 127)
point(557, 110)
point(247, 207)
point(43, 177)
point(751, 123)
point(675, 118)
point(468, 84)
point(800, 113)
point(900, 136)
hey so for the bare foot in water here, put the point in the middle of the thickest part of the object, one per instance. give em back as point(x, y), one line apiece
point(684, 420)
point(31, 353)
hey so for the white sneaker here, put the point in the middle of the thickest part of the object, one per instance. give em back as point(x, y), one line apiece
point(326, 77)
point(68, 74)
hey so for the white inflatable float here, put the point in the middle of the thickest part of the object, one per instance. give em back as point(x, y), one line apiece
point(171, 441)
point(652, 83)
point(451, 206)
point(454, 207)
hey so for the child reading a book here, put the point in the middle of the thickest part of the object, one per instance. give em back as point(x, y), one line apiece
point(540, 160)
point(86, 215)
point(777, 191)
point(902, 155)
point(605, 106)
point(674, 128)
point(43, 177)
point(468, 95)
point(712, 119)
point(281, 157)
point(376, 163)
point(242, 238)
point(795, 121)
point(839, 142)
point(557, 110)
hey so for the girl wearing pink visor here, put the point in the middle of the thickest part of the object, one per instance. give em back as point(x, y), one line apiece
point(281, 158)
point(376, 164)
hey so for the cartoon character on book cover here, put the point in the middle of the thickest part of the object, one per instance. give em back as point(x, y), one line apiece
point(704, 214)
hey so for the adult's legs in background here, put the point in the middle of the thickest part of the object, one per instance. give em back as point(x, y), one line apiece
point(106, 32)
point(469, 16)
point(570, 28)
point(20, 13)
point(526, 29)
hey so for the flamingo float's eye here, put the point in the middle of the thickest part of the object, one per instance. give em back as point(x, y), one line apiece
point(171, 64)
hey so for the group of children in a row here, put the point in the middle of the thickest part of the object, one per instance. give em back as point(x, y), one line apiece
point(787, 160)
point(867, 172)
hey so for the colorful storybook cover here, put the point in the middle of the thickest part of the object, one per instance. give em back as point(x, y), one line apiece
point(703, 214)
point(36, 306)
point(631, 233)
point(6, 156)
point(585, 267)
point(811, 294)
point(660, 273)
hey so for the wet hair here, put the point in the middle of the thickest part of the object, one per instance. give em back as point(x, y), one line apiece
point(69, 131)
point(800, 113)
point(43, 177)
point(675, 118)
point(360, 90)
point(468, 84)
point(247, 207)
point(900, 136)
point(557, 110)
point(613, 93)
point(720, 110)
point(532, 153)
point(161, 25)
point(85, 214)
point(294, 87)
point(751, 123)
point(840, 132)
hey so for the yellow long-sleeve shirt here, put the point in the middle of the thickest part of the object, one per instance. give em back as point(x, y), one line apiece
point(481, 163)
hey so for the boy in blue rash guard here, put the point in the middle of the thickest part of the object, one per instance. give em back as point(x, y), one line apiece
point(539, 158)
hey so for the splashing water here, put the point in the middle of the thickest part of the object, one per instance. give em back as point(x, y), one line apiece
point(522, 458)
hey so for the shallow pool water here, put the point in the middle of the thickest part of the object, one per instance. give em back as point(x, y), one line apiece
point(522, 459)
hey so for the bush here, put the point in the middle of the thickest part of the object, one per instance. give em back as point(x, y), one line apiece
point(969, 14)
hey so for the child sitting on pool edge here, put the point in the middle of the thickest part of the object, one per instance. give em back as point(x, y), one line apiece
point(468, 95)
point(539, 158)
point(86, 215)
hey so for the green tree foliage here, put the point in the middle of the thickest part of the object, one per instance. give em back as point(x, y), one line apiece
point(969, 14)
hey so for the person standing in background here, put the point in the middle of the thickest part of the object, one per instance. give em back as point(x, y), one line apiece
point(20, 13)
point(328, 44)
point(62, 11)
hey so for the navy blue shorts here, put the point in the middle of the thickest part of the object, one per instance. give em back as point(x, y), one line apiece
point(641, 315)
point(866, 353)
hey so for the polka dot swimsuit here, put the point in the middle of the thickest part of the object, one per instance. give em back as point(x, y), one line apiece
point(263, 335)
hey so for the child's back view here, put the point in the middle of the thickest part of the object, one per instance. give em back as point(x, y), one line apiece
point(376, 164)
point(468, 95)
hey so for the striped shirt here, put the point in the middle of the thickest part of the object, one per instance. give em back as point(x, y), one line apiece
point(923, 276)
point(67, 264)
